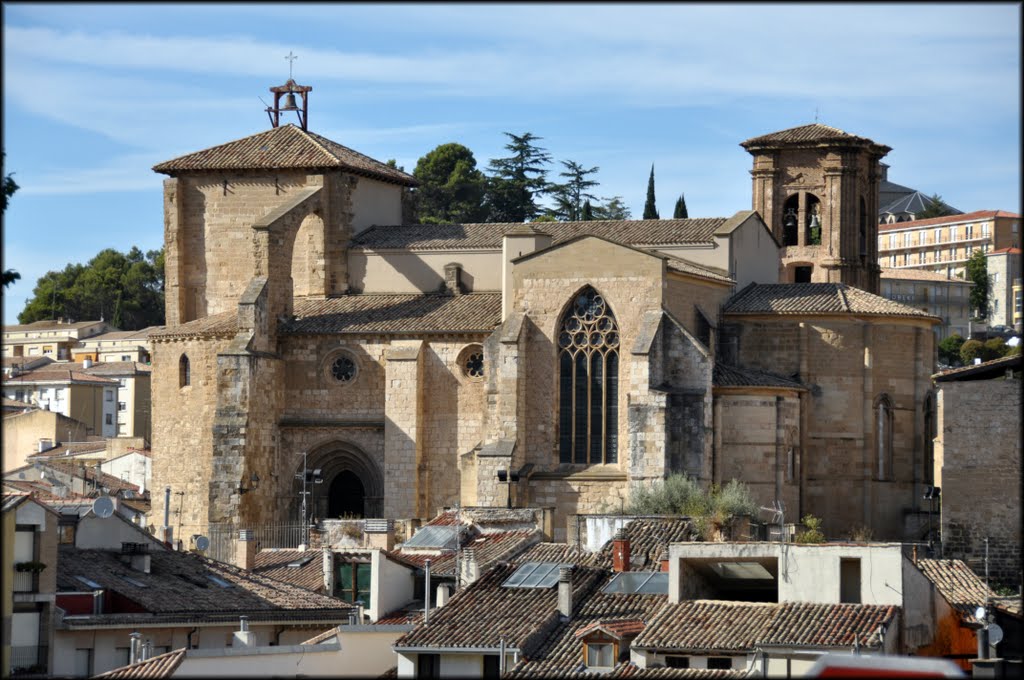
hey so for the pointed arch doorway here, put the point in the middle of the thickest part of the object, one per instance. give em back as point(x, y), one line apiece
point(346, 497)
point(352, 487)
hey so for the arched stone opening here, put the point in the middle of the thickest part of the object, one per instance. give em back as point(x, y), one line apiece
point(352, 486)
point(307, 268)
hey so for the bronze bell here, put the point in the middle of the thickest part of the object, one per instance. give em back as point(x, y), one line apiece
point(289, 103)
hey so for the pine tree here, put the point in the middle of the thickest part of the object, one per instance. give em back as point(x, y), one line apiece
point(680, 212)
point(569, 197)
point(650, 209)
point(517, 180)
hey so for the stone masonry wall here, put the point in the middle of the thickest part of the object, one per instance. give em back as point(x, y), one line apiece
point(978, 466)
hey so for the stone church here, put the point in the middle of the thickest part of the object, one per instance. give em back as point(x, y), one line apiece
point(311, 322)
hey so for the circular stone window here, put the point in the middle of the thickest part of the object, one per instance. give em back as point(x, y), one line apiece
point(471, 361)
point(343, 369)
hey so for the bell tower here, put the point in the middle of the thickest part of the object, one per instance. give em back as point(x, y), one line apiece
point(816, 187)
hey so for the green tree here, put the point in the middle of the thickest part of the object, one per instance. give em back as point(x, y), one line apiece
point(9, 276)
point(452, 188)
point(570, 197)
point(977, 272)
point(971, 350)
point(127, 290)
point(680, 211)
point(949, 349)
point(650, 207)
point(812, 532)
point(995, 348)
point(613, 209)
point(934, 208)
point(517, 180)
point(588, 212)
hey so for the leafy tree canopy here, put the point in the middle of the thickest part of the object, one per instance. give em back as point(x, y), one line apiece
point(650, 206)
point(9, 276)
point(571, 197)
point(977, 272)
point(126, 290)
point(680, 210)
point(949, 349)
point(613, 209)
point(452, 188)
point(517, 180)
point(935, 208)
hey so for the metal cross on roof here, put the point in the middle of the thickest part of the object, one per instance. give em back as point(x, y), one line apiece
point(291, 60)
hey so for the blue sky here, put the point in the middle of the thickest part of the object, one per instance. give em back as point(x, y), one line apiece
point(95, 95)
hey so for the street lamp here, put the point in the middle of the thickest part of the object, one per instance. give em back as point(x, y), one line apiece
point(307, 477)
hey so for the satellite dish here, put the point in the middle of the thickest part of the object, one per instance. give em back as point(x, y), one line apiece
point(202, 543)
point(995, 634)
point(979, 614)
point(103, 507)
point(21, 475)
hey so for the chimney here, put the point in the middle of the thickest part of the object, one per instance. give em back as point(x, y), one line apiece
point(327, 564)
point(245, 549)
point(147, 650)
point(620, 551)
point(135, 648)
point(380, 533)
point(442, 595)
point(97, 602)
point(453, 278)
point(469, 568)
point(565, 591)
point(86, 363)
point(45, 445)
point(243, 637)
point(316, 537)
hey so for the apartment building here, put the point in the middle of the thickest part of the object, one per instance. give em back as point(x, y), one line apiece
point(71, 391)
point(54, 339)
point(934, 293)
point(1004, 271)
point(944, 244)
point(116, 346)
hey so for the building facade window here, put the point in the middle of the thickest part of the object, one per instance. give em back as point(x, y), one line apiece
point(352, 582)
point(938, 235)
point(984, 230)
point(883, 437)
point(970, 231)
point(588, 368)
point(471, 362)
point(599, 655)
point(184, 371)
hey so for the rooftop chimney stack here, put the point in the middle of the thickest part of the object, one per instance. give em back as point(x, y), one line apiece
point(380, 533)
point(453, 278)
point(245, 550)
point(565, 591)
point(135, 648)
point(243, 637)
point(620, 551)
point(470, 567)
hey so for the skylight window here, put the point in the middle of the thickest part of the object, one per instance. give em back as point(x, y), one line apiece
point(135, 582)
point(438, 537)
point(89, 582)
point(301, 562)
point(638, 583)
point(219, 581)
point(535, 575)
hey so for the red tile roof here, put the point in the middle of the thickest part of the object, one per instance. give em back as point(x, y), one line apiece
point(285, 147)
point(162, 666)
point(618, 629)
point(947, 219)
point(815, 298)
point(958, 585)
point(310, 575)
point(1009, 251)
point(813, 133)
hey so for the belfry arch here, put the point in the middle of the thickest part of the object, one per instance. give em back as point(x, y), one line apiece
point(353, 484)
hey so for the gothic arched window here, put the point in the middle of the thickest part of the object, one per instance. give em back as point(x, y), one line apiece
point(588, 378)
point(883, 437)
point(184, 372)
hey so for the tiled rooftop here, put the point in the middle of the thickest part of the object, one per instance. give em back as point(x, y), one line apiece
point(477, 312)
point(737, 376)
point(274, 563)
point(948, 219)
point(815, 298)
point(222, 325)
point(489, 235)
point(958, 585)
point(179, 587)
point(284, 147)
point(805, 134)
point(59, 373)
point(162, 666)
point(911, 274)
point(986, 369)
point(108, 483)
point(648, 539)
point(704, 626)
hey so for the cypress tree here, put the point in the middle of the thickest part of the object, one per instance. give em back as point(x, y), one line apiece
point(680, 211)
point(650, 209)
point(588, 211)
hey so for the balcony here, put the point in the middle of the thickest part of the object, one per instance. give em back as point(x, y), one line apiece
point(26, 582)
point(28, 660)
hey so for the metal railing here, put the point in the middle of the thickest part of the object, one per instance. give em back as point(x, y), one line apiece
point(28, 659)
point(223, 536)
point(25, 582)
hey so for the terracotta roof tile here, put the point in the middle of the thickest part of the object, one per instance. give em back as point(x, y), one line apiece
point(648, 539)
point(183, 586)
point(309, 575)
point(1006, 251)
point(984, 369)
point(489, 235)
point(947, 219)
point(560, 553)
point(59, 373)
point(815, 298)
point(285, 147)
point(393, 314)
point(1009, 604)
point(222, 325)
point(718, 626)
point(737, 376)
point(913, 274)
point(958, 585)
point(686, 267)
point(76, 470)
point(162, 666)
point(804, 134)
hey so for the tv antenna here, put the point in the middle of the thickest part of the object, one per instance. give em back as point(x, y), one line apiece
point(778, 511)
